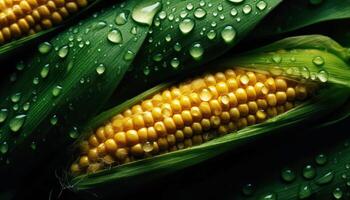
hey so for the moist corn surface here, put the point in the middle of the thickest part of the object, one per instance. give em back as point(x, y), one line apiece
point(188, 114)
point(23, 17)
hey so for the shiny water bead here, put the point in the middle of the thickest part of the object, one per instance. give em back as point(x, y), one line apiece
point(189, 114)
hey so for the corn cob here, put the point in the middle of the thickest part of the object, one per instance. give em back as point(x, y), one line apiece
point(22, 17)
point(189, 114)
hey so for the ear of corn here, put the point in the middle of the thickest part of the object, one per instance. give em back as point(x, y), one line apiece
point(23, 21)
point(78, 68)
point(317, 106)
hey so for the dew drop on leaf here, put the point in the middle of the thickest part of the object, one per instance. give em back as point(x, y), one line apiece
point(189, 6)
point(236, 1)
point(211, 34)
point(247, 9)
point(199, 13)
point(322, 76)
point(234, 12)
point(147, 147)
point(4, 148)
point(146, 71)
point(17, 122)
point(44, 71)
point(16, 97)
point(321, 159)
point(248, 189)
point(26, 106)
point(100, 69)
point(228, 34)
point(196, 51)
point(53, 120)
point(121, 18)
point(45, 47)
point(3, 115)
point(145, 11)
point(56, 90)
point(115, 36)
point(325, 179)
point(304, 191)
point(309, 172)
point(337, 193)
point(175, 62)
point(288, 175)
point(62, 53)
point(269, 196)
point(261, 5)
point(318, 61)
point(177, 47)
point(186, 25)
point(73, 133)
point(129, 55)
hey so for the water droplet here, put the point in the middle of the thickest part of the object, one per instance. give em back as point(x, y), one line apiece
point(183, 14)
point(236, 1)
point(133, 30)
point(261, 5)
point(305, 73)
point(199, 13)
point(269, 196)
point(202, 3)
point(100, 69)
point(129, 55)
point(186, 25)
point(145, 11)
point(26, 106)
point(17, 122)
point(147, 147)
point(248, 189)
point(62, 53)
point(337, 193)
point(326, 178)
point(211, 34)
point(3, 115)
point(196, 51)
point(13, 77)
point(288, 175)
point(16, 97)
point(20, 66)
point(100, 25)
point(322, 76)
point(189, 6)
point(74, 133)
point(44, 71)
point(228, 34)
point(4, 148)
point(276, 58)
point(162, 14)
point(318, 61)
point(122, 18)
point(175, 62)
point(171, 17)
point(53, 120)
point(234, 12)
point(157, 57)
point(247, 9)
point(177, 46)
point(168, 38)
point(56, 90)
point(115, 36)
point(146, 70)
point(309, 172)
point(321, 159)
point(44, 47)
point(15, 107)
point(33, 145)
point(304, 191)
point(276, 71)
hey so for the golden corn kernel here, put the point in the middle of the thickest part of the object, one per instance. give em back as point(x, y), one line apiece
point(177, 118)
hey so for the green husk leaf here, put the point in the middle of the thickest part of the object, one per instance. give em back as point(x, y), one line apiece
point(293, 15)
point(150, 70)
point(13, 46)
point(64, 87)
point(314, 108)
